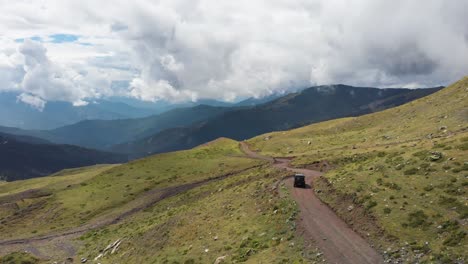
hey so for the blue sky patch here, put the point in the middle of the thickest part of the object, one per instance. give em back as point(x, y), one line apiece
point(35, 38)
point(61, 38)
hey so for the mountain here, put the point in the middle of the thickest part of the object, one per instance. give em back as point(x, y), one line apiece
point(101, 134)
point(14, 113)
point(311, 105)
point(258, 101)
point(23, 157)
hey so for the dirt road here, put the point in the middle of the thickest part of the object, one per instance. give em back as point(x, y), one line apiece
point(338, 242)
point(61, 242)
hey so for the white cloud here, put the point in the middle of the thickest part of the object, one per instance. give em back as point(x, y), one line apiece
point(184, 50)
point(32, 100)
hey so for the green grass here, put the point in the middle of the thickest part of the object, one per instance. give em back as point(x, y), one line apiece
point(102, 192)
point(18, 258)
point(240, 217)
point(397, 164)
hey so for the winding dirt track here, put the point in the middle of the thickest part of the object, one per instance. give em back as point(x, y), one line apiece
point(61, 240)
point(338, 242)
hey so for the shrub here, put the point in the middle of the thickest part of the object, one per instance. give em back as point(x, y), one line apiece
point(387, 210)
point(411, 171)
point(393, 186)
point(449, 225)
point(371, 204)
point(463, 146)
point(417, 219)
point(454, 239)
point(381, 154)
point(428, 188)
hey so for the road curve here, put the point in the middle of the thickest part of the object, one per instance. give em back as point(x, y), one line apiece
point(338, 242)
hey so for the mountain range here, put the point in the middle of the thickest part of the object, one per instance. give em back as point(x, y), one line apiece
point(184, 128)
point(55, 114)
point(23, 157)
point(311, 105)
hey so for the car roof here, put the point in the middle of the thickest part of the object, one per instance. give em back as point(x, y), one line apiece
point(299, 174)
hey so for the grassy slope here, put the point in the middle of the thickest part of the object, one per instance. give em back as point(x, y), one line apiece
point(383, 160)
point(240, 217)
point(97, 193)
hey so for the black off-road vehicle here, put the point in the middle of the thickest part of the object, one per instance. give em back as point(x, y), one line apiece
point(299, 180)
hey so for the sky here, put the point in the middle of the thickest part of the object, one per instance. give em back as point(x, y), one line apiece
point(174, 50)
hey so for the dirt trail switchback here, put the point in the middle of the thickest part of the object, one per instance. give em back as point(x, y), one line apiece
point(338, 242)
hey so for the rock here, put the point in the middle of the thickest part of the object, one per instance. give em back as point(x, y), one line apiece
point(98, 256)
point(350, 208)
point(84, 260)
point(215, 238)
point(308, 142)
point(207, 250)
point(435, 156)
point(443, 128)
point(220, 260)
point(116, 247)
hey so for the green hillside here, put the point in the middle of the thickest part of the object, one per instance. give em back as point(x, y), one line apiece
point(401, 172)
point(176, 204)
point(398, 177)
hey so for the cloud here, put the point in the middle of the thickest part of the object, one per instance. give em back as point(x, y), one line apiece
point(186, 50)
point(49, 81)
point(32, 100)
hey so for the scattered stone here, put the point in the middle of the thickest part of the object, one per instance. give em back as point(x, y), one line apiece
point(98, 257)
point(309, 143)
point(435, 156)
point(220, 260)
point(116, 247)
point(84, 260)
point(207, 250)
point(350, 208)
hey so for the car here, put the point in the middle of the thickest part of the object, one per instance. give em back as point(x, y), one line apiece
point(299, 180)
